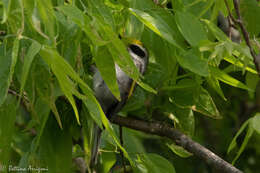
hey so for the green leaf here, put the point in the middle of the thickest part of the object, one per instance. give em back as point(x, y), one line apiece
point(184, 93)
point(100, 10)
point(222, 76)
point(108, 159)
point(7, 121)
point(63, 71)
point(111, 131)
point(164, 54)
point(214, 83)
point(183, 119)
point(190, 27)
point(132, 141)
point(238, 63)
point(5, 59)
point(192, 61)
point(250, 12)
point(84, 22)
point(252, 124)
point(233, 143)
point(179, 150)
point(220, 7)
point(251, 81)
point(33, 50)
point(206, 105)
point(249, 133)
point(159, 25)
point(56, 147)
point(256, 123)
point(219, 34)
point(46, 12)
point(93, 106)
point(155, 163)
point(6, 10)
point(97, 114)
point(43, 111)
point(7, 74)
point(106, 67)
point(134, 27)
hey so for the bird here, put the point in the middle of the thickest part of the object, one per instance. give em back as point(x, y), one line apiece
point(108, 102)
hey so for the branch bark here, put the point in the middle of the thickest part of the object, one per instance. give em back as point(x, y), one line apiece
point(165, 130)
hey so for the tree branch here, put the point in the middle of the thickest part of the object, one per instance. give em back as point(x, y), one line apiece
point(239, 21)
point(180, 139)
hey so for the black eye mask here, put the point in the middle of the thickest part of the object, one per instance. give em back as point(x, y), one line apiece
point(137, 50)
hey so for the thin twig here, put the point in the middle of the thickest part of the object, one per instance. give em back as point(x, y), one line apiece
point(245, 34)
point(180, 139)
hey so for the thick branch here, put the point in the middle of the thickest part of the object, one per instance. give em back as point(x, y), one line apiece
point(179, 138)
point(239, 21)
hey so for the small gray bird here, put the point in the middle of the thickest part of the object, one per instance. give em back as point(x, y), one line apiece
point(107, 100)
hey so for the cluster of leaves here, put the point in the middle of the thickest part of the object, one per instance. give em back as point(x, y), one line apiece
point(46, 52)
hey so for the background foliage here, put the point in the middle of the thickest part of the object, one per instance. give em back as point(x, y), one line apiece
point(198, 80)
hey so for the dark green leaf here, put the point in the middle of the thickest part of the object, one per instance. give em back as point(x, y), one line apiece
point(192, 61)
point(56, 147)
point(6, 75)
point(222, 76)
point(249, 133)
point(33, 50)
point(214, 83)
point(106, 66)
point(190, 27)
point(179, 150)
point(206, 105)
point(155, 163)
point(184, 93)
point(7, 122)
point(250, 12)
point(233, 143)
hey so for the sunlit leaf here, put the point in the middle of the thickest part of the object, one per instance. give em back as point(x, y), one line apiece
point(158, 25)
point(238, 63)
point(108, 159)
point(219, 34)
point(222, 76)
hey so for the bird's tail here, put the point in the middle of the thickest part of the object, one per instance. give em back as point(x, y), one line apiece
point(95, 145)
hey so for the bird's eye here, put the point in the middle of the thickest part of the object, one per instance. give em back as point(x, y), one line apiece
point(137, 50)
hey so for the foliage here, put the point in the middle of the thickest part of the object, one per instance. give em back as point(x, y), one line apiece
point(47, 106)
